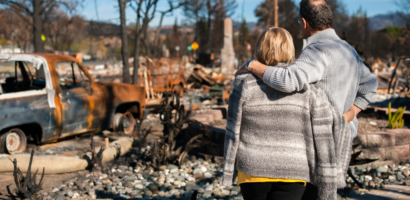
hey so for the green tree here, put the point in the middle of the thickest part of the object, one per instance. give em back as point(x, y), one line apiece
point(393, 31)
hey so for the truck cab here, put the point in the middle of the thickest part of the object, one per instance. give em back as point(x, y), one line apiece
point(46, 97)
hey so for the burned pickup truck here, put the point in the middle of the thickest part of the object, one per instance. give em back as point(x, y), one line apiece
point(46, 97)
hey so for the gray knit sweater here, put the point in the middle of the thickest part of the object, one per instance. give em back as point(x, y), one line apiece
point(279, 135)
point(335, 66)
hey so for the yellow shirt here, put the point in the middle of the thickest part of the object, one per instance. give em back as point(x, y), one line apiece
point(245, 178)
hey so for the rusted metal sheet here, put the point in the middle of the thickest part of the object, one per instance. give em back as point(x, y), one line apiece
point(162, 74)
point(115, 94)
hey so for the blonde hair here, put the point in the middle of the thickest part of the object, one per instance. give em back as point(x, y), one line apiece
point(275, 45)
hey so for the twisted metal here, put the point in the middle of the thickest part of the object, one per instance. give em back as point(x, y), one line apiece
point(173, 116)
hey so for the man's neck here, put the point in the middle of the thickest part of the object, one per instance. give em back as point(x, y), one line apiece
point(313, 32)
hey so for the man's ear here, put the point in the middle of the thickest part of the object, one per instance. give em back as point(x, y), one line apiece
point(305, 24)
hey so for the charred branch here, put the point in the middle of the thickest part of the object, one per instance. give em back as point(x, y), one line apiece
point(96, 157)
point(27, 186)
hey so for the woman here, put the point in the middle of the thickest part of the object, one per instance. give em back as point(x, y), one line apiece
point(280, 141)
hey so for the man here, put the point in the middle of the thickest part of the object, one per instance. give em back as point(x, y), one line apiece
point(325, 59)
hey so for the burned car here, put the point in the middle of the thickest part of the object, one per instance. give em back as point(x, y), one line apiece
point(46, 97)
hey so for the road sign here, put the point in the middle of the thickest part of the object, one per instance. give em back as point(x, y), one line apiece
point(194, 46)
point(189, 48)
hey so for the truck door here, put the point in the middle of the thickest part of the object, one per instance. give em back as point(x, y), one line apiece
point(79, 100)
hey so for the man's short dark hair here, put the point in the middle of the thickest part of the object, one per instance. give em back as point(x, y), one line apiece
point(317, 13)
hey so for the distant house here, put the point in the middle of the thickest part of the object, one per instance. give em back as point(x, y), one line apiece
point(10, 49)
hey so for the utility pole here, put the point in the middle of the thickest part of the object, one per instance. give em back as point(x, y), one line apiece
point(276, 13)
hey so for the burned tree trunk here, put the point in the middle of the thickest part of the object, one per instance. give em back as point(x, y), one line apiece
point(37, 26)
point(146, 17)
point(124, 41)
point(155, 53)
point(135, 77)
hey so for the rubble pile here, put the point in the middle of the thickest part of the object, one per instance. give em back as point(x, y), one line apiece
point(138, 179)
point(202, 76)
point(375, 178)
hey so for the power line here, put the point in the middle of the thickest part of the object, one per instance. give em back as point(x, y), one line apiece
point(243, 8)
point(96, 10)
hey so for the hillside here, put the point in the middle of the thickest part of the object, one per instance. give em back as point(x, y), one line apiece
point(382, 21)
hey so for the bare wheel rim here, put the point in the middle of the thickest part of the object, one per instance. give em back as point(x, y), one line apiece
point(128, 123)
point(15, 141)
point(117, 122)
point(12, 142)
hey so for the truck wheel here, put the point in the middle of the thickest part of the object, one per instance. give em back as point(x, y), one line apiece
point(124, 123)
point(13, 141)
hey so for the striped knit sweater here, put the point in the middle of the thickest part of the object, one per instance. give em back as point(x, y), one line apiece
point(291, 136)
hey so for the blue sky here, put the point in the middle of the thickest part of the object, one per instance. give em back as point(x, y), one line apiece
point(108, 10)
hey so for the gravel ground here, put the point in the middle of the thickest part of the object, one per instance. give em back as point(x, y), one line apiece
point(135, 178)
point(375, 178)
point(130, 177)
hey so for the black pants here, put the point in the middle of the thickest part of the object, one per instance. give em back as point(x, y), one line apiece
point(272, 191)
point(311, 192)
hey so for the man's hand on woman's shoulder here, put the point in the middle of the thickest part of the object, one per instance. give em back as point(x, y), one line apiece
point(242, 70)
point(254, 66)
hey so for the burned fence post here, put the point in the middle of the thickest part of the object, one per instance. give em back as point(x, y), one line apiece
point(27, 186)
